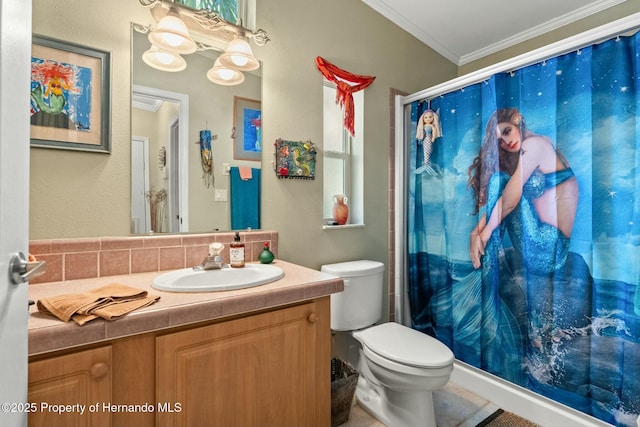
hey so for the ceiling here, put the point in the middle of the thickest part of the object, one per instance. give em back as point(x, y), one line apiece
point(463, 31)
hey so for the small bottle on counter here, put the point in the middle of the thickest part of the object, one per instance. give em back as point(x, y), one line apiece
point(236, 252)
point(266, 256)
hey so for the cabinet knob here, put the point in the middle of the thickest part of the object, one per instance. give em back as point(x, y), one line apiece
point(313, 318)
point(99, 370)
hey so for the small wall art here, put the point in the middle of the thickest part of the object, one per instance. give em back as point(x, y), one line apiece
point(295, 159)
point(70, 98)
point(247, 125)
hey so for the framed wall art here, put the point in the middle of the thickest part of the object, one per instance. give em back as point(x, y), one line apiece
point(70, 96)
point(295, 159)
point(247, 125)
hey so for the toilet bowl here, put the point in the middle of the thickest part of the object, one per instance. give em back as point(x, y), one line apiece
point(399, 367)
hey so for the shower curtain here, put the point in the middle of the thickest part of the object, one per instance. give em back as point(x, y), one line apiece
point(556, 314)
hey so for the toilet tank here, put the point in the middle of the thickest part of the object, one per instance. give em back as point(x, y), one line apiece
point(360, 304)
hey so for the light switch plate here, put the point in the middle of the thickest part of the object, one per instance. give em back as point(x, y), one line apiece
point(226, 167)
point(220, 195)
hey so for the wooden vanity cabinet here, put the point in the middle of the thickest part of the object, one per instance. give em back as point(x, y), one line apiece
point(78, 380)
point(270, 368)
point(264, 370)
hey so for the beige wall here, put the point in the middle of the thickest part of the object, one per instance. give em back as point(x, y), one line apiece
point(77, 194)
point(345, 32)
point(80, 194)
point(356, 38)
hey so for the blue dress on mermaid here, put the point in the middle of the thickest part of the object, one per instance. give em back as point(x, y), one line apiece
point(487, 315)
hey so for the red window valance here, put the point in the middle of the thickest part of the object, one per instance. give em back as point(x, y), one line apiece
point(347, 83)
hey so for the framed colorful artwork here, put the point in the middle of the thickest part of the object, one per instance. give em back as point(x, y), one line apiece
point(247, 125)
point(70, 96)
point(295, 159)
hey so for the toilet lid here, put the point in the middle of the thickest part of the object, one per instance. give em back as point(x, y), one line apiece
point(407, 346)
point(353, 268)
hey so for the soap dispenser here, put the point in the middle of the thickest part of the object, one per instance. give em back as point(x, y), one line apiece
point(236, 252)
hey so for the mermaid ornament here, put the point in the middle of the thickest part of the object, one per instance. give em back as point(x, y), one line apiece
point(428, 130)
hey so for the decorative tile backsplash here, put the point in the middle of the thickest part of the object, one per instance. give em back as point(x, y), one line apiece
point(69, 259)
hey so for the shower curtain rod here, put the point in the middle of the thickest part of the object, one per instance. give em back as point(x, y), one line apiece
point(595, 35)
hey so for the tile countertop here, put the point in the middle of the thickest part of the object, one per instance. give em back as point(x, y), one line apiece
point(47, 333)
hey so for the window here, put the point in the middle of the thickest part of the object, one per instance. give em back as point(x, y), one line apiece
point(228, 9)
point(342, 156)
point(238, 12)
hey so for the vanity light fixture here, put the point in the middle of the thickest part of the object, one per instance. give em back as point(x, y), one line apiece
point(225, 76)
point(164, 60)
point(239, 56)
point(172, 37)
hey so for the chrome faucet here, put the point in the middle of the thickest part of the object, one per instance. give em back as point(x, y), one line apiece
point(213, 261)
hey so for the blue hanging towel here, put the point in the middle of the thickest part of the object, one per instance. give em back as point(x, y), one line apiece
point(245, 199)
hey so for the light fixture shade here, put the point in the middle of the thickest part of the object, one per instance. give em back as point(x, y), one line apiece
point(163, 60)
point(171, 34)
point(239, 56)
point(222, 75)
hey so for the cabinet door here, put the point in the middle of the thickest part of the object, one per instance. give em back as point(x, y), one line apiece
point(77, 380)
point(255, 371)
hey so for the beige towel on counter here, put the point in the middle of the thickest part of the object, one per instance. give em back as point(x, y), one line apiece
point(108, 302)
point(115, 310)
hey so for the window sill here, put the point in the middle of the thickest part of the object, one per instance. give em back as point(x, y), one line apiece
point(339, 227)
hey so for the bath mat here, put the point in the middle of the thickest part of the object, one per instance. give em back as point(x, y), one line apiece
point(501, 418)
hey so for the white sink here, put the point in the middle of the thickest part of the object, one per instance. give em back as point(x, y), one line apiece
point(224, 279)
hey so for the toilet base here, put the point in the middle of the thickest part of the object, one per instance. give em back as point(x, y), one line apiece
point(394, 408)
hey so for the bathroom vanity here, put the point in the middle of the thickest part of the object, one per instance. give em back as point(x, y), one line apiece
point(258, 356)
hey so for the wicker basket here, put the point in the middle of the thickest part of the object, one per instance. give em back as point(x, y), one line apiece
point(343, 385)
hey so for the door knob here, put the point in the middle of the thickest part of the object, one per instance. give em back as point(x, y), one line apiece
point(21, 270)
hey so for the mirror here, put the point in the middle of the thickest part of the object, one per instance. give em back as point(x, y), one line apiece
point(160, 124)
point(171, 191)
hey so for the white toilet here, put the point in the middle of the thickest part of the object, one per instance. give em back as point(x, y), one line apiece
point(399, 367)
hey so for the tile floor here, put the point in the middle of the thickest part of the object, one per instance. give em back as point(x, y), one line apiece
point(454, 406)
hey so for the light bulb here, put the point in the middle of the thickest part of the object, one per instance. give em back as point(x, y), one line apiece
point(163, 60)
point(165, 57)
point(172, 40)
point(240, 61)
point(225, 73)
point(239, 56)
point(222, 75)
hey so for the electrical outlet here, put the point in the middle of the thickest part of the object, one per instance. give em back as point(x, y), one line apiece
point(226, 167)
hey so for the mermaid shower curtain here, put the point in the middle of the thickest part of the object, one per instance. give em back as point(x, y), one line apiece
point(556, 314)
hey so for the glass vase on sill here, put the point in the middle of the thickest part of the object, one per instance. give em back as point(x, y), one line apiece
point(340, 209)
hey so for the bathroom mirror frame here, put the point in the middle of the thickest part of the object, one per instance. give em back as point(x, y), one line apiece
point(203, 207)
